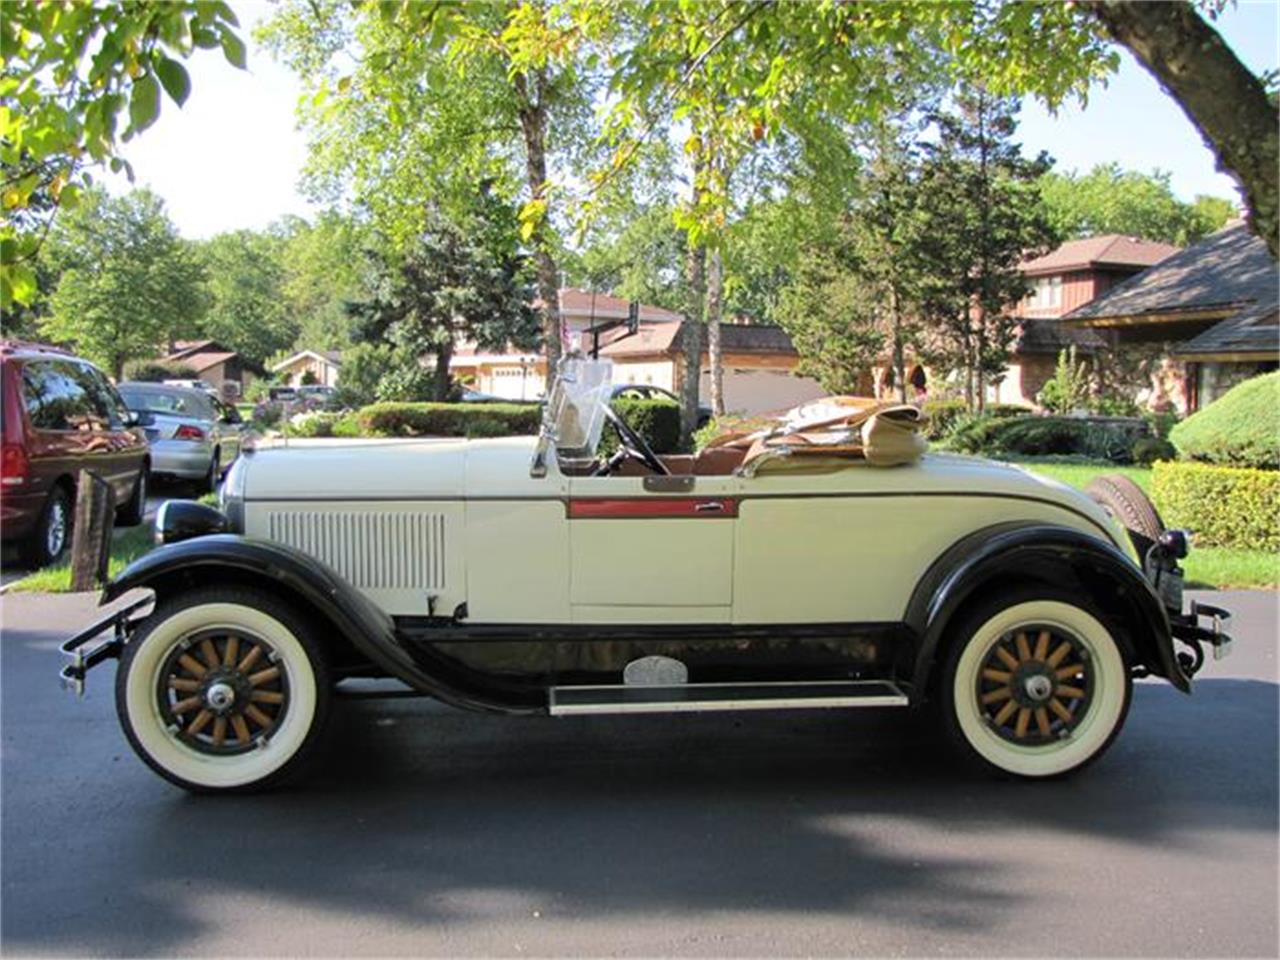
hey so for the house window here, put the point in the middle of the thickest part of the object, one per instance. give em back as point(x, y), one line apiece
point(1047, 292)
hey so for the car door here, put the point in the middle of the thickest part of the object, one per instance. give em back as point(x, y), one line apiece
point(119, 456)
point(648, 549)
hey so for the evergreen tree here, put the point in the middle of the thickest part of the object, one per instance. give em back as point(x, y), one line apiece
point(980, 216)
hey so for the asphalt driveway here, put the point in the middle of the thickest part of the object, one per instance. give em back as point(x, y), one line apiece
point(432, 832)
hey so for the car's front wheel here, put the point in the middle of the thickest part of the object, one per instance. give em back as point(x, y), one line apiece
point(223, 689)
point(1034, 686)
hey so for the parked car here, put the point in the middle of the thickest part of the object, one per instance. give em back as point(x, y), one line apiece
point(282, 394)
point(790, 569)
point(61, 415)
point(203, 385)
point(647, 391)
point(193, 435)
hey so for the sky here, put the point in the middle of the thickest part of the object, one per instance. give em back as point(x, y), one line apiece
point(231, 157)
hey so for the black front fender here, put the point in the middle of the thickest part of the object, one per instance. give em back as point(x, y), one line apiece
point(324, 593)
point(1006, 555)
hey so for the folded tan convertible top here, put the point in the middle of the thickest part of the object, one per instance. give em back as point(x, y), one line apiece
point(884, 434)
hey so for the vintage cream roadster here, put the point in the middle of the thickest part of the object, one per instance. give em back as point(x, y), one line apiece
point(828, 563)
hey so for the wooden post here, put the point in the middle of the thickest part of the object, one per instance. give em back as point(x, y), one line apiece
point(95, 515)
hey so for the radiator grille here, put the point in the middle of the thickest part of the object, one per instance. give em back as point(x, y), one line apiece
point(377, 551)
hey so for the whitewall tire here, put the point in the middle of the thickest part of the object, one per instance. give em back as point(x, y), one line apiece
point(1034, 686)
point(223, 689)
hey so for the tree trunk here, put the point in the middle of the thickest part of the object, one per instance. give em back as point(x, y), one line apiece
point(899, 358)
point(691, 344)
point(533, 123)
point(1218, 93)
point(715, 306)
point(440, 379)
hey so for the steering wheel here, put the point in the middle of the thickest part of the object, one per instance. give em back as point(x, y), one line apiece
point(632, 445)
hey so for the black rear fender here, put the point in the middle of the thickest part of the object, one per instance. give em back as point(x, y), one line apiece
point(1006, 556)
point(347, 617)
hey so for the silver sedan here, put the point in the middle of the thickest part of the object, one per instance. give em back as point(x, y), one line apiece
point(192, 435)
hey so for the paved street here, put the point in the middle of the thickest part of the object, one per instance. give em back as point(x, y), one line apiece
point(430, 832)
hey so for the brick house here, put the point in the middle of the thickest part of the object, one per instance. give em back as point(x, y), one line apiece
point(1211, 313)
point(1066, 278)
point(224, 369)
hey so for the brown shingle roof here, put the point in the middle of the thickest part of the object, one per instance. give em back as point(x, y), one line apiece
point(1231, 267)
point(664, 339)
point(1111, 249)
point(577, 303)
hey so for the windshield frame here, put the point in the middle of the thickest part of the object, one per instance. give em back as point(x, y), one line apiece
point(574, 415)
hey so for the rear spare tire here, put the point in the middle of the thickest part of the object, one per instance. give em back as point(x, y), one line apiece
point(1124, 500)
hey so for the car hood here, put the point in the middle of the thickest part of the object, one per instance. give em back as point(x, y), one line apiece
point(393, 470)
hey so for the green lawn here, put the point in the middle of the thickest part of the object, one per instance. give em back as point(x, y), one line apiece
point(1218, 567)
point(125, 548)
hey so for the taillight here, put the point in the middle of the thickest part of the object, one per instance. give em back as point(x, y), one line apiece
point(13, 465)
point(188, 432)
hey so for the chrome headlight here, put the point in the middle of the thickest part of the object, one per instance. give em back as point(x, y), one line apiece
point(231, 495)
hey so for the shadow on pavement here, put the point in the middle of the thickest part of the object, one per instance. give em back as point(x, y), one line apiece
point(415, 809)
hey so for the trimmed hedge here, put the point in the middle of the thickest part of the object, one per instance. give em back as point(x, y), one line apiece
point(1041, 436)
point(1222, 506)
point(155, 371)
point(449, 419)
point(658, 421)
point(1240, 429)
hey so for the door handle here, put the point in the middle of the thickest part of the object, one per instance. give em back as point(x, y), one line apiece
point(710, 506)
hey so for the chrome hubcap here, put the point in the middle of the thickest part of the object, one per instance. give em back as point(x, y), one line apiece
point(220, 696)
point(57, 535)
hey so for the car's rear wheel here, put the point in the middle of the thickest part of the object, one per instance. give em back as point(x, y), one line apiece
point(52, 532)
point(210, 481)
point(224, 689)
point(1034, 686)
point(1125, 501)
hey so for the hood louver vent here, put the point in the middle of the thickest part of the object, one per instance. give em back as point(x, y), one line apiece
point(373, 551)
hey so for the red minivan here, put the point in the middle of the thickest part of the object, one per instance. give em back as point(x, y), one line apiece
point(59, 415)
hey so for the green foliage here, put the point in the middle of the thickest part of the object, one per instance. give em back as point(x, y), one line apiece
point(309, 378)
point(832, 317)
point(1241, 428)
point(1222, 506)
point(324, 424)
point(1147, 450)
point(1041, 436)
point(363, 367)
point(1108, 199)
point(70, 71)
point(127, 283)
point(247, 311)
point(259, 389)
point(980, 217)
point(657, 421)
point(448, 419)
point(463, 278)
point(1068, 389)
point(151, 371)
point(320, 267)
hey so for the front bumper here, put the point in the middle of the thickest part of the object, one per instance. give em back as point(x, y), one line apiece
point(1162, 570)
point(120, 623)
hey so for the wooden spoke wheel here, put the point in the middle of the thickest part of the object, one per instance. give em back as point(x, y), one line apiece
point(222, 691)
point(224, 688)
point(1035, 685)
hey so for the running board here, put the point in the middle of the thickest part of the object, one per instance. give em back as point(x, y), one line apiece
point(691, 697)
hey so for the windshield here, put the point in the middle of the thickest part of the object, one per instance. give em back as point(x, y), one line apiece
point(574, 416)
point(174, 403)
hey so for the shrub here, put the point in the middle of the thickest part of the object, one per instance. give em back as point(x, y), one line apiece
point(1222, 506)
point(153, 371)
point(1147, 450)
point(1068, 388)
point(945, 414)
point(448, 419)
point(259, 389)
point(1044, 436)
point(1240, 429)
point(266, 415)
point(658, 421)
